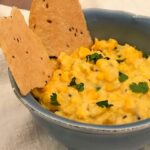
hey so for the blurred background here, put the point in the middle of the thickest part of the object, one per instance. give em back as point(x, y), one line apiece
point(141, 7)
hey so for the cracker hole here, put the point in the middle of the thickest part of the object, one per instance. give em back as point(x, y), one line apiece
point(81, 32)
point(70, 29)
point(18, 40)
point(52, 57)
point(76, 30)
point(43, 0)
point(34, 26)
point(49, 76)
point(41, 58)
point(47, 6)
point(27, 52)
point(75, 35)
point(13, 57)
point(46, 82)
point(68, 45)
point(49, 21)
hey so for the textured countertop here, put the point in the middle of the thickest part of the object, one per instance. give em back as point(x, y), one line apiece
point(17, 129)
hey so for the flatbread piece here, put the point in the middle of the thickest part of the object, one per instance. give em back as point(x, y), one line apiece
point(60, 24)
point(26, 56)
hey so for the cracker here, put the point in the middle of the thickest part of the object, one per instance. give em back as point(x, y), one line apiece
point(60, 24)
point(26, 56)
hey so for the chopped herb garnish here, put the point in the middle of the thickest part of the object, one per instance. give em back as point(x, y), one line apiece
point(120, 60)
point(52, 57)
point(94, 57)
point(98, 88)
point(73, 82)
point(54, 99)
point(104, 104)
point(141, 87)
point(79, 87)
point(122, 77)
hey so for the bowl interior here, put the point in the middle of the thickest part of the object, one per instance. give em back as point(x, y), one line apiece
point(125, 27)
point(102, 24)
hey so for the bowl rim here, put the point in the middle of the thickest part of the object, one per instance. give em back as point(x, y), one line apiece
point(36, 108)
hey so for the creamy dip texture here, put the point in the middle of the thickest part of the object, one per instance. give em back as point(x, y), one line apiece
point(107, 84)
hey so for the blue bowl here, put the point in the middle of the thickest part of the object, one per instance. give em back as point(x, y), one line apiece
point(103, 24)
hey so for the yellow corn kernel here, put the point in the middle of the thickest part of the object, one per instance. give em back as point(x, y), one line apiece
point(109, 87)
point(62, 88)
point(83, 52)
point(92, 94)
point(112, 86)
point(76, 100)
point(85, 68)
point(102, 64)
point(131, 54)
point(130, 105)
point(100, 76)
point(112, 44)
point(65, 60)
point(65, 76)
point(111, 75)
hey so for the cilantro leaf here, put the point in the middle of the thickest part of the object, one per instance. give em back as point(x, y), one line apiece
point(73, 82)
point(79, 87)
point(122, 77)
point(104, 104)
point(54, 99)
point(141, 87)
point(94, 57)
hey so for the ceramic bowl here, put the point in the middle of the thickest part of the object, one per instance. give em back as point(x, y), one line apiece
point(103, 24)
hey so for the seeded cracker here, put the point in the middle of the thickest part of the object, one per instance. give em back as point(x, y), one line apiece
point(27, 58)
point(60, 24)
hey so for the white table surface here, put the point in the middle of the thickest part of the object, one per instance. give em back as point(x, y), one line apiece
point(17, 129)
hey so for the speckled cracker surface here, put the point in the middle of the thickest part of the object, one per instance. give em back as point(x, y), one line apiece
point(26, 56)
point(60, 24)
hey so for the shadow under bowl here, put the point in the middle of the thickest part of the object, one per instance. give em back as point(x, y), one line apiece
point(103, 24)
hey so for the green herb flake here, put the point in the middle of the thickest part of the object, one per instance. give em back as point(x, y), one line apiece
point(94, 57)
point(73, 82)
point(54, 99)
point(141, 87)
point(120, 60)
point(122, 77)
point(79, 87)
point(104, 104)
